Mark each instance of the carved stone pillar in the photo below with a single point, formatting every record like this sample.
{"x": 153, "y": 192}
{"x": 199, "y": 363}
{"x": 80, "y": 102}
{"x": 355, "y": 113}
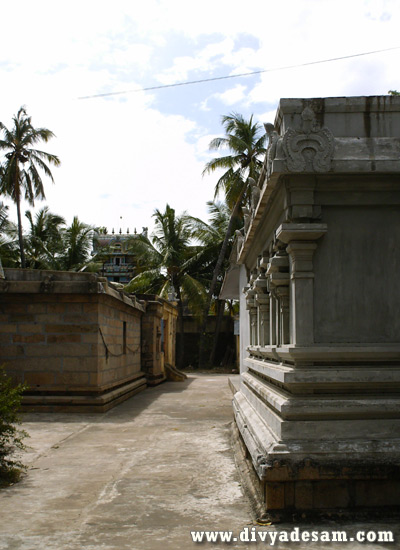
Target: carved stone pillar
{"x": 252, "y": 307}
{"x": 260, "y": 286}
{"x": 263, "y": 319}
{"x": 272, "y": 317}
{"x": 253, "y": 326}
{"x": 278, "y": 271}
{"x": 301, "y": 239}
{"x": 284, "y": 314}
{"x": 302, "y": 287}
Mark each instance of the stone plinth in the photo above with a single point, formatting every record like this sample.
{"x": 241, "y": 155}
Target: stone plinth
{"x": 319, "y": 400}
{"x": 73, "y": 339}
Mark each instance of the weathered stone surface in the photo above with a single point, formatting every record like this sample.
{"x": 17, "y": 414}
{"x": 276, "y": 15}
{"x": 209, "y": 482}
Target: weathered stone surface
{"x": 93, "y": 340}
{"x": 323, "y": 383}
{"x": 68, "y": 337}
{"x": 158, "y": 338}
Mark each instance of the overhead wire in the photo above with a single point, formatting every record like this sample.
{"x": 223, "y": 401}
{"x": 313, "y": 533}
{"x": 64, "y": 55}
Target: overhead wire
{"x": 239, "y": 75}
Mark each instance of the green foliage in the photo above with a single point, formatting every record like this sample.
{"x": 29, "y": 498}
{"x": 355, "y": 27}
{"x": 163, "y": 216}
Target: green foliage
{"x": 20, "y": 174}
{"x": 8, "y": 239}
{"x": 211, "y": 237}
{"x": 245, "y": 142}
{"x": 43, "y": 242}
{"x": 77, "y": 242}
{"x": 11, "y": 436}
{"x": 49, "y": 244}
{"x": 393, "y": 92}
{"x": 169, "y": 260}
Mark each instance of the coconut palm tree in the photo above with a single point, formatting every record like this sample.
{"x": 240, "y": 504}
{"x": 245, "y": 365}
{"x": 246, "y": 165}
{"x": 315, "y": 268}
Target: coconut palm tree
{"x": 21, "y": 173}
{"x": 77, "y": 244}
{"x": 246, "y": 147}
{"x": 43, "y": 242}
{"x": 170, "y": 263}
{"x": 245, "y": 142}
{"x": 218, "y": 236}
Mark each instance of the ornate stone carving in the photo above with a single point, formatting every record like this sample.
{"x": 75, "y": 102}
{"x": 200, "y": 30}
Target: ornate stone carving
{"x": 239, "y": 239}
{"x": 247, "y": 219}
{"x": 309, "y": 149}
{"x": 47, "y": 285}
{"x": 93, "y": 285}
{"x": 255, "y": 195}
{"x": 260, "y": 284}
{"x": 273, "y": 138}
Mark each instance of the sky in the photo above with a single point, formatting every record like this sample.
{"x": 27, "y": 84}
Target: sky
{"x": 125, "y": 155}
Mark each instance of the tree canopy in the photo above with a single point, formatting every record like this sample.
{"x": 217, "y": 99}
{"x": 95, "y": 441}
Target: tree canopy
{"x": 244, "y": 141}
{"x": 21, "y": 170}
{"x": 169, "y": 263}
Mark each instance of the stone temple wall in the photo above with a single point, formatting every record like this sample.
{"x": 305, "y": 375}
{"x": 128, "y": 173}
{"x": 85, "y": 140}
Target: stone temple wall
{"x": 319, "y": 401}
{"x": 74, "y": 340}
{"x": 158, "y": 337}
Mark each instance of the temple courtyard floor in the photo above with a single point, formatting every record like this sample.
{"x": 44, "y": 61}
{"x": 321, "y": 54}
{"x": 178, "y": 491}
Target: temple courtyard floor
{"x": 145, "y": 475}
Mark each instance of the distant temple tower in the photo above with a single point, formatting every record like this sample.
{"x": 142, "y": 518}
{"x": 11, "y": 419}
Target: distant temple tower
{"x": 118, "y": 263}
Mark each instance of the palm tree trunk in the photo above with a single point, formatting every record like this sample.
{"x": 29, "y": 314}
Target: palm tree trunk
{"x": 216, "y": 273}
{"x": 20, "y": 237}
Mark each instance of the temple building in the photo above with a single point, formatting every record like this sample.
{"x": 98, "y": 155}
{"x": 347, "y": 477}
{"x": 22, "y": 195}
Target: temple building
{"x": 118, "y": 265}
{"x": 79, "y": 343}
{"x": 318, "y": 408}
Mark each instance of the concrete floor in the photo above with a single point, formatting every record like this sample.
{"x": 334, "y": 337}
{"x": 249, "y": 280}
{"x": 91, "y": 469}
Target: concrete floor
{"x": 141, "y": 476}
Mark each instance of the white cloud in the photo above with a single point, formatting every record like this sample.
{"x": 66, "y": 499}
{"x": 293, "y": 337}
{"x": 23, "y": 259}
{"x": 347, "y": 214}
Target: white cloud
{"x": 233, "y": 95}
{"x": 267, "y": 117}
{"x": 204, "y": 105}
{"x": 123, "y": 157}
{"x": 206, "y": 60}
{"x": 125, "y": 57}
{"x": 131, "y": 155}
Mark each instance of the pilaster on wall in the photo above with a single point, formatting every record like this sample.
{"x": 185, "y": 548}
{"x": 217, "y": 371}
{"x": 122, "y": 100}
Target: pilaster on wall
{"x": 301, "y": 240}
{"x": 263, "y": 308}
{"x": 278, "y": 281}
{"x": 282, "y": 293}
{"x": 244, "y": 322}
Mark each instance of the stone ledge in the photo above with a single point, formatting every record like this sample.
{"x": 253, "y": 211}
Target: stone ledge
{"x": 265, "y": 446}
{"x": 318, "y": 432}
{"x": 83, "y": 403}
{"x": 32, "y": 281}
{"x": 319, "y": 407}
{"x": 155, "y": 379}
{"x": 234, "y": 383}
{"x": 329, "y": 352}
{"x": 322, "y": 377}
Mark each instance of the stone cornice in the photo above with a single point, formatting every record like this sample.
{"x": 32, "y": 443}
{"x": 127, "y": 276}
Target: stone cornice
{"x": 35, "y": 281}
{"x": 327, "y": 136}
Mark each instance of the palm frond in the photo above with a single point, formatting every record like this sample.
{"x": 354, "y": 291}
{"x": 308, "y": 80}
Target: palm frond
{"x": 245, "y": 145}
{"x": 194, "y": 292}
{"x": 150, "y": 281}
